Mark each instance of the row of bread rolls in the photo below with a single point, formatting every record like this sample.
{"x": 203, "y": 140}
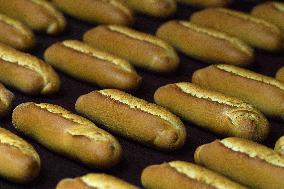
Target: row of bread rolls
{"x": 82, "y": 140}
{"x": 17, "y": 16}
{"x": 115, "y": 12}
{"x": 173, "y": 137}
{"x": 150, "y": 124}
{"x": 248, "y": 163}
{"x": 144, "y": 50}
{"x": 121, "y": 11}
{"x": 231, "y": 163}
{"x": 261, "y": 101}
{"x": 84, "y": 148}
{"x": 147, "y": 51}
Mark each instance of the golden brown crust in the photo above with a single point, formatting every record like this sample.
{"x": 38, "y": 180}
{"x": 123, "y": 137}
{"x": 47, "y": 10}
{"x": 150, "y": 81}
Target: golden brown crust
{"x": 88, "y": 64}
{"x": 27, "y": 73}
{"x": 37, "y": 14}
{"x": 270, "y": 11}
{"x": 97, "y": 11}
{"x": 94, "y": 180}
{"x": 80, "y": 139}
{"x": 181, "y": 175}
{"x": 279, "y": 145}
{"x": 205, "y": 44}
{"x": 249, "y": 86}
{"x": 15, "y": 34}
{"x": 133, "y": 118}
{"x": 244, "y": 161}
{"x": 206, "y": 3}
{"x": 141, "y": 49}
{"x": 280, "y": 74}
{"x": 6, "y": 99}
{"x": 254, "y": 31}
{"x": 19, "y": 162}
{"x": 213, "y": 111}
{"x": 158, "y": 8}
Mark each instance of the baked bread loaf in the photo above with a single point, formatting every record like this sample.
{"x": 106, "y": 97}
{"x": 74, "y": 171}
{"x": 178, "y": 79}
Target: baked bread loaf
{"x": 280, "y": 74}
{"x": 94, "y": 180}
{"x": 184, "y": 175}
{"x": 80, "y": 139}
{"x": 279, "y": 145}
{"x": 263, "y": 92}
{"x": 19, "y": 162}
{"x": 133, "y": 118}
{"x": 97, "y": 11}
{"x": 88, "y": 64}
{"x": 15, "y": 34}
{"x": 157, "y": 8}
{"x": 39, "y": 15}
{"x": 244, "y": 161}
{"x": 206, "y": 3}
{"x": 6, "y": 99}
{"x": 205, "y": 44}
{"x": 26, "y": 73}
{"x": 256, "y": 32}
{"x": 224, "y": 115}
{"x": 270, "y": 11}
{"x": 141, "y": 49}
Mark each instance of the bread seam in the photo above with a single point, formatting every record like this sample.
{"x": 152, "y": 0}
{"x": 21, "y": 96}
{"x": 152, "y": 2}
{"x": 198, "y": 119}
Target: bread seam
{"x": 86, "y": 179}
{"x": 85, "y": 49}
{"x": 271, "y": 158}
{"x": 14, "y": 23}
{"x": 78, "y": 130}
{"x": 219, "y": 35}
{"x": 250, "y": 18}
{"x": 140, "y": 36}
{"x": 250, "y": 75}
{"x": 196, "y": 173}
{"x": 117, "y": 4}
{"x": 222, "y": 99}
{"x": 142, "y": 105}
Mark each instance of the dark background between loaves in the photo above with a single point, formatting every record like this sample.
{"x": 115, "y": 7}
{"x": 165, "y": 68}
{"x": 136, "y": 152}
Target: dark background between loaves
{"x": 135, "y": 156}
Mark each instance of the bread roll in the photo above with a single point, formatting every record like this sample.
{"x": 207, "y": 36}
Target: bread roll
{"x": 263, "y": 92}
{"x": 26, "y": 73}
{"x": 184, "y": 175}
{"x": 244, "y": 161}
{"x": 256, "y": 32}
{"x": 19, "y": 162}
{"x": 88, "y": 64}
{"x": 205, "y": 44}
{"x": 213, "y": 111}
{"x": 80, "y": 139}
{"x": 133, "y": 118}
{"x": 140, "y": 49}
